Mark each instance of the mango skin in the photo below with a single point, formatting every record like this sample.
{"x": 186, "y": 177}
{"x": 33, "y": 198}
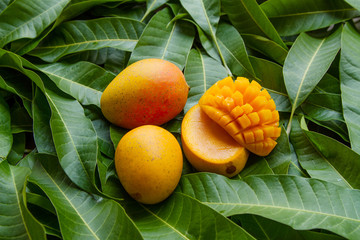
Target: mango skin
{"x": 147, "y": 92}
{"x": 149, "y": 162}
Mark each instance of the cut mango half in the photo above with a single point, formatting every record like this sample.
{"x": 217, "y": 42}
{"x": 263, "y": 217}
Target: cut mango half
{"x": 208, "y": 147}
{"x": 246, "y": 111}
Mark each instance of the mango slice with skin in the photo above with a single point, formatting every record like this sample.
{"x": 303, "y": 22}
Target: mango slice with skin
{"x": 208, "y": 147}
{"x": 246, "y": 111}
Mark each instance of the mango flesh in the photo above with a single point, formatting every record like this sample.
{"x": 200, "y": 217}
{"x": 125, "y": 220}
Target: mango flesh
{"x": 148, "y": 162}
{"x": 150, "y": 91}
{"x": 246, "y": 111}
{"x": 208, "y": 147}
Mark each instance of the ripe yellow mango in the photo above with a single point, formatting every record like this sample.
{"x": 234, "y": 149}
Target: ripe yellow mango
{"x": 150, "y": 91}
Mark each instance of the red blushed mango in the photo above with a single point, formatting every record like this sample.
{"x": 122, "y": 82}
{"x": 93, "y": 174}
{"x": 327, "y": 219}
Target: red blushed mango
{"x": 150, "y": 91}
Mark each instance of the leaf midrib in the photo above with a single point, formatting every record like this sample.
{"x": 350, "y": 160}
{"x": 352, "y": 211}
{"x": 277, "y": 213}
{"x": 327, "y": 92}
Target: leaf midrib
{"x": 312, "y": 12}
{"x": 283, "y": 208}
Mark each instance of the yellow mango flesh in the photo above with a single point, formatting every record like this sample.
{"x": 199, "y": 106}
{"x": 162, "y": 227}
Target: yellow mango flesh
{"x": 148, "y": 162}
{"x": 208, "y": 147}
{"x": 150, "y": 91}
{"x": 245, "y": 111}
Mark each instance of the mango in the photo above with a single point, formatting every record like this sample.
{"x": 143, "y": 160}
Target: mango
{"x": 208, "y": 147}
{"x": 147, "y": 92}
{"x": 149, "y": 162}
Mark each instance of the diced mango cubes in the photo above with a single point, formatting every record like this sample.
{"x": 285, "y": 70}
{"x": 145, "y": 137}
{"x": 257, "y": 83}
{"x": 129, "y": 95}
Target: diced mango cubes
{"x": 246, "y": 111}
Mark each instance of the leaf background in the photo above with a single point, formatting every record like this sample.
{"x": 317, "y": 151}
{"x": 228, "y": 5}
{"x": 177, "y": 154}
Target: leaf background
{"x": 57, "y": 174}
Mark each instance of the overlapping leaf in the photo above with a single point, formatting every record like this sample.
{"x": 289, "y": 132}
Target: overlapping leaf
{"x": 81, "y": 35}
{"x": 83, "y": 81}
{"x": 24, "y": 19}
{"x": 81, "y": 215}
{"x": 16, "y": 221}
{"x": 298, "y": 202}
{"x": 160, "y": 39}
{"x": 6, "y": 138}
{"x": 350, "y": 83}
{"x": 201, "y": 73}
{"x": 287, "y": 15}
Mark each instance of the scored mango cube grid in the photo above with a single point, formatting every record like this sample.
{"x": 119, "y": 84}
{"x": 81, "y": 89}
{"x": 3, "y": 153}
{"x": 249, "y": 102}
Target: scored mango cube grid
{"x": 246, "y": 111}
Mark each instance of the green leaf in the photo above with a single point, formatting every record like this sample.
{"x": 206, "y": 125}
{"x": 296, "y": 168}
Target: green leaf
{"x": 256, "y": 166}
{"x": 6, "y": 137}
{"x": 325, "y": 158}
{"x": 82, "y": 80}
{"x": 233, "y": 49}
{"x": 307, "y": 62}
{"x": 81, "y": 215}
{"x": 24, "y": 19}
{"x": 17, "y": 149}
{"x": 4, "y": 4}
{"x": 9, "y": 81}
{"x": 248, "y": 18}
{"x": 16, "y": 220}
{"x": 286, "y": 15}
{"x": 266, "y": 47}
{"x": 350, "y": 83}
{"x": 41, "y": 126}
{"x": 164, "y": 40}
{"x": 151, "y": 5}
{"x": 295, "y": 201}
{"x": 354, "y": 3}
{"x": 120, "y": 33}
{"x": 116, "y": 133}
{"x": 182, "y": 217}
{"x": 74, "y": 138}
{"x": 201, "y": 72}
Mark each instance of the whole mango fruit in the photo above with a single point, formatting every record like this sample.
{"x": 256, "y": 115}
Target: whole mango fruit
{"x": 149, "y": 162}
{"x": 147, "y": 92}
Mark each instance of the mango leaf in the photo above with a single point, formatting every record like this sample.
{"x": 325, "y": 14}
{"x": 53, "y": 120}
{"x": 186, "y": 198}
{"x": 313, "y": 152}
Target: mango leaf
{"x": 354, "y": 3}
{"x": 16, "y": 220}
{"x": 263, "y": 228}
{"x": 6, "y": 137}
{"x": 350, "y": 83}
{"x": 83, "y": 80}
{"x": 151, "y": 5}
{"x": 120, "y": 33}
{"x": 271, "y": 77}
{"x": 255, "y": 166}
{"x": 182, "y": 217}
{"x": 41, "y": 127}
{"x": 81, "y": 215}
{"x": 266, "y": 47}
{"x": 4, "y": 4}
{"x": 160, "y": 39}
{"x": 9, "y": 81}
{"x": 286, "y": 15}
{"x": 307, "y": 62}
{"x": 247, "y": 17}
{"x": 74, "y": 138}
{"x": 325, "y": 158}
{"x": 301, "y": 203}
{"x": 201, "y": 72}
{"x": 233, "y": 50}
{"x": 18, "y": 148}
{"x": 23, "y": 19}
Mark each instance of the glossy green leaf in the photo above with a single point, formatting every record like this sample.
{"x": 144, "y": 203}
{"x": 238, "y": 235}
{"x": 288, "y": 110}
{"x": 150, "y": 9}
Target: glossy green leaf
{"x": 120, "y": 33}
{"x": 24, "y": 19}
{"x": 350, "y": 83}
{"x": 41, "y": 128}
{"x": 6, "y": 137}
{"x": 81, "y": 215}
{"x": 354, "y": 3}
{"x": 4, "y": 4}
{"x": 171, "y": 42}
{"x": 295, "y": 201}
{"x": 255, "y": 166}
{"x": 16, "y": 221}
{"x": 233, "y": 49}
{"x": 21, "y": 121}
{"x": 201, "y": 72}
{"x": 306, "y": 64}
{"x": 152, "y": 5}
{"x": 248, "y": 18}
{"x": 266, "y": 47}
{"x": 18, "y": 148}
{"x": 324, "y": 158}
{"x": 171, "y": 219}
{"x": 291, "y": 17}
{"x": 74, "y": 138}
{"x": 9, "y": 81}
{"x": 83, "y": 80}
